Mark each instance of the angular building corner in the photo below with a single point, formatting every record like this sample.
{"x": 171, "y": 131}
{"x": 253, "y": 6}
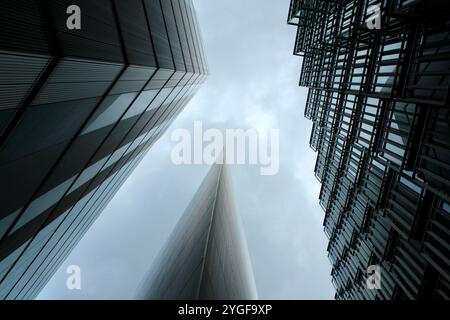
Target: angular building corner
{"x": 379, "y": 100}
{"x": 79, "y": 108}
{"x": 206, "y": 256}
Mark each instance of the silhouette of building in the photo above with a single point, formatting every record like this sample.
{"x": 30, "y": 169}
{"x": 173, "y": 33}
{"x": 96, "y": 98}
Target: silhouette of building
{"x": 378, "y": 74}
{"x": 79, "y": 108}
{"x": 206, "y": 256}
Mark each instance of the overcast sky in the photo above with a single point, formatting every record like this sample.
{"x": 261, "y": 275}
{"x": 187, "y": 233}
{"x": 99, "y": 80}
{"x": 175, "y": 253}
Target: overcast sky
{"x": 253, "y": 83}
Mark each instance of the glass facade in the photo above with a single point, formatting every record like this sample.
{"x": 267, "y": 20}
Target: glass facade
{"x": 78, "y": 111}
{"x": 379, "y": 102}
{"x": 206, "y": 256}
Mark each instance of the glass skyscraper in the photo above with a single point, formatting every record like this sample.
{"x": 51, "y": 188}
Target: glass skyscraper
{"x": 378, "y": 73}
{"x": 206, "y": 256}
{"x": 79, "y": 108}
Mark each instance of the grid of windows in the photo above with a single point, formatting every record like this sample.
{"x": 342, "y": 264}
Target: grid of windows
{"x": 78, "y": 111}
{"x": 379, "y": 102}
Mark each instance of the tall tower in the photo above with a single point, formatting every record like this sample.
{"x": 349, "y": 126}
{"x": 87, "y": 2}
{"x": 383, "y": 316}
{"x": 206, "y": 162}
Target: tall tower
{"x": 206, "y": 256}
{"x": 86, "y": 88}
{"x": 378, "y": 73}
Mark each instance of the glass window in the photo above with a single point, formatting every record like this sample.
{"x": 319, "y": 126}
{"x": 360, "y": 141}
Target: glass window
{"x": 159, "y": 34}
{"x": 37, "y": 142}
{"x": 141, "y": 103}
{"x": 135, "y": 32}
{"x": 42, "y": 203}
{"x": 109, "y": 112}
{"x": 5, "y": 115}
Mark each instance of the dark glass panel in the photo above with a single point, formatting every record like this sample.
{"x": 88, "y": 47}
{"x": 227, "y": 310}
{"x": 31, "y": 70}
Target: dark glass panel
{"x": 159, "y": 34}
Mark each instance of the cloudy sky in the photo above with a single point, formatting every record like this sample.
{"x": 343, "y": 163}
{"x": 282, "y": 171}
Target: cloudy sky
{"x": 252, "y": 84}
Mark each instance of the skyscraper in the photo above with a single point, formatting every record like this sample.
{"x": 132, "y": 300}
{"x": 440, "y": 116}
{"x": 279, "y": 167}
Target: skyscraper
{"x": 206, "y": 256}
{"x": 378, "y": 73}
{"x": 86, "y": 88}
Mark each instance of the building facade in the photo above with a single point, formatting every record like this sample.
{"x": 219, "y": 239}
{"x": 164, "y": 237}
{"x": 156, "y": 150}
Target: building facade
{"x": 206, "y": 256}
{"x": 378, "y": 73}
{"x": 79, "y": 108}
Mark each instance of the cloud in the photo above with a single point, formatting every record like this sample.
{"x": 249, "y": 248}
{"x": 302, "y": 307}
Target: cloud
{"x": 253, "y": 83}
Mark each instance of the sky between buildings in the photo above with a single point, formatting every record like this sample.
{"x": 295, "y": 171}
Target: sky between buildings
{"x": 253, "y": 83}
